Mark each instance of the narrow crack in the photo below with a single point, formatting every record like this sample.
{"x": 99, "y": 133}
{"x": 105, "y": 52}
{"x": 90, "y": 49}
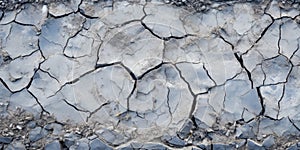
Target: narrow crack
{"x": 78, "y": 109}
{"x": 6, "y": 86}
{"x": 194, "y": 103}
{"x": 149, "y": 70}
{"x": 165, "y": 38}
{"x": 241, "y": 62}
{"x": 96, "y": 110}
{"x": 291, "y": 121}
{"x": 279, "y": 101}
{"x": 261, "y": 36}
{"x": 38, "y": 102}
{"x": 168, "y": 103}
{"x": 207, "y": 73}
{"x": 261, "y": 101}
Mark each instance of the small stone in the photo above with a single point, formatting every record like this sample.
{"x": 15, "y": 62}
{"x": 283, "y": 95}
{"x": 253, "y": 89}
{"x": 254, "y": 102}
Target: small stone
{"x": 19, "y": 127}
{"x": 68, "y": 142}
{"x": 112, "y": 137}
{"x": 155, "y": 146}
{"x": 268, "y": 142}
{"x": 82, "y": 144}
{"x": 252, "y": 145}
{"x": 31, "y": 124}
{"x": 97, "y": 144}
{"x": 186, "y": 129}
{"x": 16, "y": 146}
{"x": 173, "y": 141}
{"x": 37, "y": 134}
{"x": 55, "y": 145}
{"x": 6, "y": 140}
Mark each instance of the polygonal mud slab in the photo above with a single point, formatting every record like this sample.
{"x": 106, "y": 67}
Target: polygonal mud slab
{"x": 150, "y": 75}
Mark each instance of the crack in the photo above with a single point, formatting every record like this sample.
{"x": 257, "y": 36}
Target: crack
{"x": 96, "y": 110}
{"x": 50, "y": 41}
{"x": 6, "y": 86}
{"x": 169, "y": 108}
{"x": 295, "y": 51}
{"x": 165, "y": 38}
{"x": 149, "y": 70}
{"x": 106, "y": 65}
{"x": 72, "y": 36}
{"x": 71, "y": 82}
{"x": 131, "y": 93}
{"x": 61, "y": 16}
{"x": 2, "y": 14}
{"x": 37, "y": 100}
{"x": 27, "y": 55}
{"x": 31, "y": 78}
{"x": 24, "y": 24}
{"x": 85, "y": 15}
{"x": 78, "y": 109}
{"x": 241, "y": 62}
{"x": 193, "y": 108}
{"x": 261, "y": 101}
{"x": 261, "y": 36}
{"x": 291, "y": 121}
{"x": 134, "y": 86}
{"x": 206, "y": 70}
{"x": 129, "y": 71}
{"x": 278, "y": 103}
{"x": 231, "y": 45}
{"x": 49, "y": 74}
{"x": 279, "y": 38}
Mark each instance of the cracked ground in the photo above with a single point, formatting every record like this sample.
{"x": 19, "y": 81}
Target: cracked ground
{"x": 136, "y": 74}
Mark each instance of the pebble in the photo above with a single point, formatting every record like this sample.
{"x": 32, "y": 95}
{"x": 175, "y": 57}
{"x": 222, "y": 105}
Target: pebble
{"x": 36, "y": 134}
{"x": 6, "y": 140}
{"x": 54, "y": 145}
{"x": 97, "y": 144}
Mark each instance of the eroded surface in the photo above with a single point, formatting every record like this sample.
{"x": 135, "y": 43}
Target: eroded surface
{"x": 150, "y": 75}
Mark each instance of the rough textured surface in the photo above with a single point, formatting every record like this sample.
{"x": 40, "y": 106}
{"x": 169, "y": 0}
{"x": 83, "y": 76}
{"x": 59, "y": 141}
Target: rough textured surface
{"x": 159, "y": 74}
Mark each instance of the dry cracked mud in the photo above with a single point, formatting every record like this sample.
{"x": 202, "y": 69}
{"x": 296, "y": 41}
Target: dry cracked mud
{"x": 149, "y": 74}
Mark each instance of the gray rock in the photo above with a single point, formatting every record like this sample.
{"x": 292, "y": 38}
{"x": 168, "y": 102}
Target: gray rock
{"x": 218, "y": 146}
{"x": 5, "y": 140}
{"x": 82, "y": 144}
{"x": 252, "y": 145}
{"x": 154, "y": 146}
{"x": 68, "y": 142}
{"x": 111, "y": 137}
{"x": 282, "y": 127}
{"x": 97, "y": 144}
{"x": 185, "y": 131}
{"x": 295, "y": 146}
{"x": 269, "y": 141}
{"x": 16, "y": 146}
{"x": 37, "y": 134}
{"x": 54, "y": 145}
{"x": 173, "y": 141}
{"x": 150, "y": 146}
{"x": 31, "y": 124}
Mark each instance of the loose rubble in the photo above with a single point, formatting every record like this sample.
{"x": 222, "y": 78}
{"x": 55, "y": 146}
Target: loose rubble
{"x": 140, "y": 74}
